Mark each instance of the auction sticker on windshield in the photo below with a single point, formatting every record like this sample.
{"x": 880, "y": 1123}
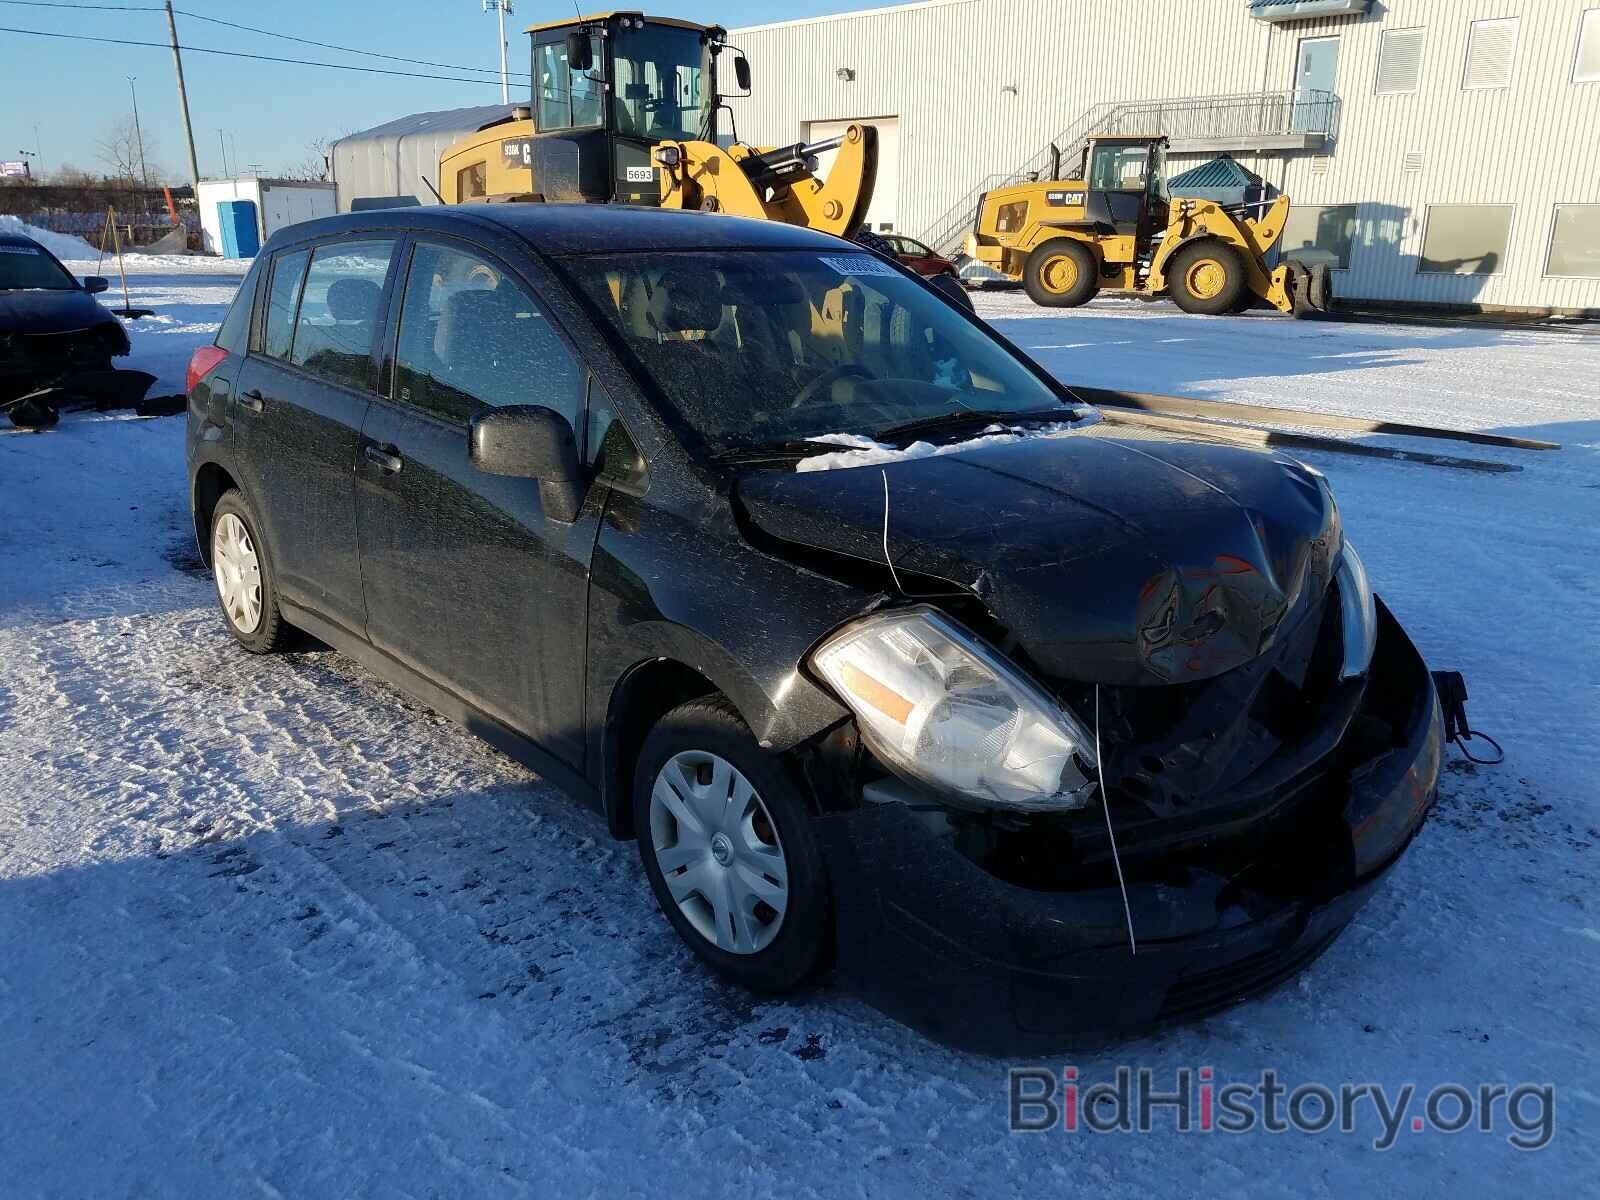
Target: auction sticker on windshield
{"x": 859, "y": 264}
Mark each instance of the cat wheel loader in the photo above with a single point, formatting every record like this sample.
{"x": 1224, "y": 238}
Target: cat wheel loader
{"x": 625, "y": 111}
{"x": 1112, "y": 226}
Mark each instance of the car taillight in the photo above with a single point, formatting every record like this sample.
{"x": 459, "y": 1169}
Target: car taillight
{"x": 203, "y": 362}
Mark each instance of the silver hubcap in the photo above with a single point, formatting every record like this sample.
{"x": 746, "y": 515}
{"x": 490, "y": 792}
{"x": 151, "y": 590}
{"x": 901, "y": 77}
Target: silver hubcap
{"x": 238, "y": 572}
{"x": 719, "y": 852}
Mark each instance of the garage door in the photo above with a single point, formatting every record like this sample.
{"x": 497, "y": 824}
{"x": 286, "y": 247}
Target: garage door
{"x": 886, "y": 192}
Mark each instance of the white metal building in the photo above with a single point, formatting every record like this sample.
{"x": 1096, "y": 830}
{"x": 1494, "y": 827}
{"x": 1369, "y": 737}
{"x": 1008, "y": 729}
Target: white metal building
{"x": 1447, "y": 151}
{"x": 278, "y": 202}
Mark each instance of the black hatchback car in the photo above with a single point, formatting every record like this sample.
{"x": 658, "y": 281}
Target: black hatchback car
{"x": 51, "y": 328}
{"x": 885, "y": 652}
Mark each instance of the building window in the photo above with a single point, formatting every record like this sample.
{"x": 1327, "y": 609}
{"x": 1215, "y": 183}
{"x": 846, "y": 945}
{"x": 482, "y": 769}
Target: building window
{"x": 1491, "y": 53}
{"x": 1399, "y": 61}
{"x": 1466, "y": 239}
{"x": 1575, "y": 242}
{"x": 1325, "y": 227}
{"x": 1587, "y": 68}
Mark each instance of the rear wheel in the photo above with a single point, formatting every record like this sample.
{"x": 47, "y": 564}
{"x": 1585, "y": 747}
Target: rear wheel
{"x": 243, "y": 573}
{"x": 726, "y": 841}
{"x": 1061, "y": 274}
{"x": 1207, "y": 277}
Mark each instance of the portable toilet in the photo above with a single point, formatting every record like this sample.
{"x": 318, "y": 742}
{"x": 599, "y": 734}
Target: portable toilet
{"x": 236, "y": 220}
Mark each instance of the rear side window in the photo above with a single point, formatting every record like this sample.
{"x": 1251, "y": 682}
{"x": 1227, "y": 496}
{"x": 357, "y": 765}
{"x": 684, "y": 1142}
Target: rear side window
{"x": 283, "y": 298}
{"x": 471, "y": 336}
{"x": 339, "y": 310}
{"x": 235, "y": 332}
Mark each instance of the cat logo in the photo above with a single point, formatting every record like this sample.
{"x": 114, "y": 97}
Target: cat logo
{"x": 1060, "y": 199}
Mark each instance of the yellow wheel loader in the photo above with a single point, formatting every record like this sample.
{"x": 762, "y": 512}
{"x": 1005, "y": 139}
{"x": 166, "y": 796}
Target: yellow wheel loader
{"x": 625, "y": 111}
{"x": 1111, "y": 226}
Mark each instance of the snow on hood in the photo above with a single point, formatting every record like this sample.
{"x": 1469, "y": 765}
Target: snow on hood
{"x": 862, "y": 451}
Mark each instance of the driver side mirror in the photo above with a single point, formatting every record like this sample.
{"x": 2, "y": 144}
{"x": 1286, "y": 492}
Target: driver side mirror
{"x": 741, "y": 73}
{"x": 579, "y": 57}
{"x": 95, "y": 283}
{"x": 530, "y": 441}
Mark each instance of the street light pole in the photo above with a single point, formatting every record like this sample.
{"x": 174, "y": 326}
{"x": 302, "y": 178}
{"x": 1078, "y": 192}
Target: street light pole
{"x": 501, "y": 8}
{"x": 183, "y": 101}
{"x": 138, "y": 132}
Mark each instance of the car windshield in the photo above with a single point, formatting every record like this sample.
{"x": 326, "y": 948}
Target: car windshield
{"x": 658, "y": 91}
{"x": 25, "y": 267}
{"x": 763, "y": 348}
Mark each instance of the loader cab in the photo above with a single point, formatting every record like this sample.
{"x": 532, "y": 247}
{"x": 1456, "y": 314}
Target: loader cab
{"x": 607, "y": 88}
{"x": 1125, "y": 184}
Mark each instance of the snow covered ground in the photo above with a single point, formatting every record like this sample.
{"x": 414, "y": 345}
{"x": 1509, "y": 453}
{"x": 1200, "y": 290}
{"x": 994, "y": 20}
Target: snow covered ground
{"x": 267, "y": 927}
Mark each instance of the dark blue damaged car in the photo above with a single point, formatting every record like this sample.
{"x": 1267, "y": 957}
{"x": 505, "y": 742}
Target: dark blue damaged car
{"x": 894, "y": 661}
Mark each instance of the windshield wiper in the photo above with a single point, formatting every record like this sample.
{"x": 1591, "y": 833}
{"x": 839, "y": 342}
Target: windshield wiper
{"x": 963, "y": 418}
{"x": 772, "y": 451}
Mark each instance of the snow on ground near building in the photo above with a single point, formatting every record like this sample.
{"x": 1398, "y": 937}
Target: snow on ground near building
{"x": 267, "y": 926}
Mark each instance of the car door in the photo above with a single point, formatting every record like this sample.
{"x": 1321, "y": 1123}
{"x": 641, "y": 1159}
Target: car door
{"x": 300, "y": 399}
{"x": 466, "y": 579}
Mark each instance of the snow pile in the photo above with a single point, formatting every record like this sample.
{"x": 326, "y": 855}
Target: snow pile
{"x": 62, "y": 245}
{"x": 864, "y": 452}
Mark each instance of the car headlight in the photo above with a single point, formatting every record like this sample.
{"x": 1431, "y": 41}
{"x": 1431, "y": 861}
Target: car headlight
{"x": 940, "y": 708}
{"x": 1358, "y": 612}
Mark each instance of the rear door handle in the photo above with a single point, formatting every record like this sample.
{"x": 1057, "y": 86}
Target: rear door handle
{"x": 386, "y": 460}
{"x": 253, "y": 400}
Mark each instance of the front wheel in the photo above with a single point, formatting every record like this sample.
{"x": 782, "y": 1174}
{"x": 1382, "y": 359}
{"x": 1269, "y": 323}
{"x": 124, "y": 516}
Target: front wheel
{"x": 726, "y": 841}
{"x": 1206, "y": 278}
{"x": 1063, "y": 273}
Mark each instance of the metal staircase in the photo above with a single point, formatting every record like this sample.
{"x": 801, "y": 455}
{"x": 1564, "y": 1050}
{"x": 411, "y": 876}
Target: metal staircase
{"x": 1249, "y": 122}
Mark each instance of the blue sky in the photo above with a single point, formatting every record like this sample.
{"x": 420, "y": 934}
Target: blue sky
{"x": 270, "y": 111}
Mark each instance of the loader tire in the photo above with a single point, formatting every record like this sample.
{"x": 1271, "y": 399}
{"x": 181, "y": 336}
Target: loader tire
{"x": 1206, "y": 278}
{"x": 1062, "y": 273}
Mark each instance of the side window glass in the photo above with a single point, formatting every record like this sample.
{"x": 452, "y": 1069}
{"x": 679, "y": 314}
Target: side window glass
{"x": 283, "y": 298}
{"x": 235, "y": 331}
{"x": 339, "y": 312}
{"x": 471, "y": 336}
{"x": 471, "y": 182}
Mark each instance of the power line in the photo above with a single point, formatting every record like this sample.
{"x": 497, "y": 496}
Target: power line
{"x": 289, "y": 37}
{"x": 300, "y": 62}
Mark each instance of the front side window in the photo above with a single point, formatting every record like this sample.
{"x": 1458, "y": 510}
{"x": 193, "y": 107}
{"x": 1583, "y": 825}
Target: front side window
{"x": 659, "y": 90}
{"x": 29, "y": 268}
{"x": 1466, "y": 239}
{"x": 568, "y": 99}
{"x": 1118, "y": 168}
{"x": 471, "y": 337}
{"x": 756, "y": 348}
{"x": 339, "y": 310}
{"x": 283, "y": 298}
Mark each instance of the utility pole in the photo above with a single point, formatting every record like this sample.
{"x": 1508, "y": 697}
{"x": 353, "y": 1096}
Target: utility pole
{"x": 183, "y": 101}
{"x": 502, "y": 7}
{"x": 138, "y": 132}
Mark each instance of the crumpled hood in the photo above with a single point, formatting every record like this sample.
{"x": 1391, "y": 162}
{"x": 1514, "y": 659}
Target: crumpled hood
{"x": 1112, "y": 562}
{"x": 49, "y": 311}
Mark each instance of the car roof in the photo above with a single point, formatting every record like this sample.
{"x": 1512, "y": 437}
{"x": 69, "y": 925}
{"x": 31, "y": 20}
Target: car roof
{"x": 558, "y": 229}
{"x": 18, "y": 239}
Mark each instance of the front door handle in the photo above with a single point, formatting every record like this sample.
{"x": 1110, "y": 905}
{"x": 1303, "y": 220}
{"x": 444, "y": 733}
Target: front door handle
{"x": 253, "y": 400}
{"x": 386, "y": 460}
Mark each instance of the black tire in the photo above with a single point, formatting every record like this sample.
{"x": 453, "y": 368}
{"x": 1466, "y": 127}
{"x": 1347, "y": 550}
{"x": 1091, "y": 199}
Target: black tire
{"x": 1062, "y": 273}
{"x": 1206, "y": 277}
{"x": 271, "y": 632}
{"x": 803, "y": 937}
{"x": 951, "y": 287}
{"x": 34, "y": 414}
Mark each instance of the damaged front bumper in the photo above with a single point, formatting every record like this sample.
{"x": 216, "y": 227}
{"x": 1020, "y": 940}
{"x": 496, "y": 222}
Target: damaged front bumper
{"x": 936, "y": 930}
{"x": 70, "y": 361}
